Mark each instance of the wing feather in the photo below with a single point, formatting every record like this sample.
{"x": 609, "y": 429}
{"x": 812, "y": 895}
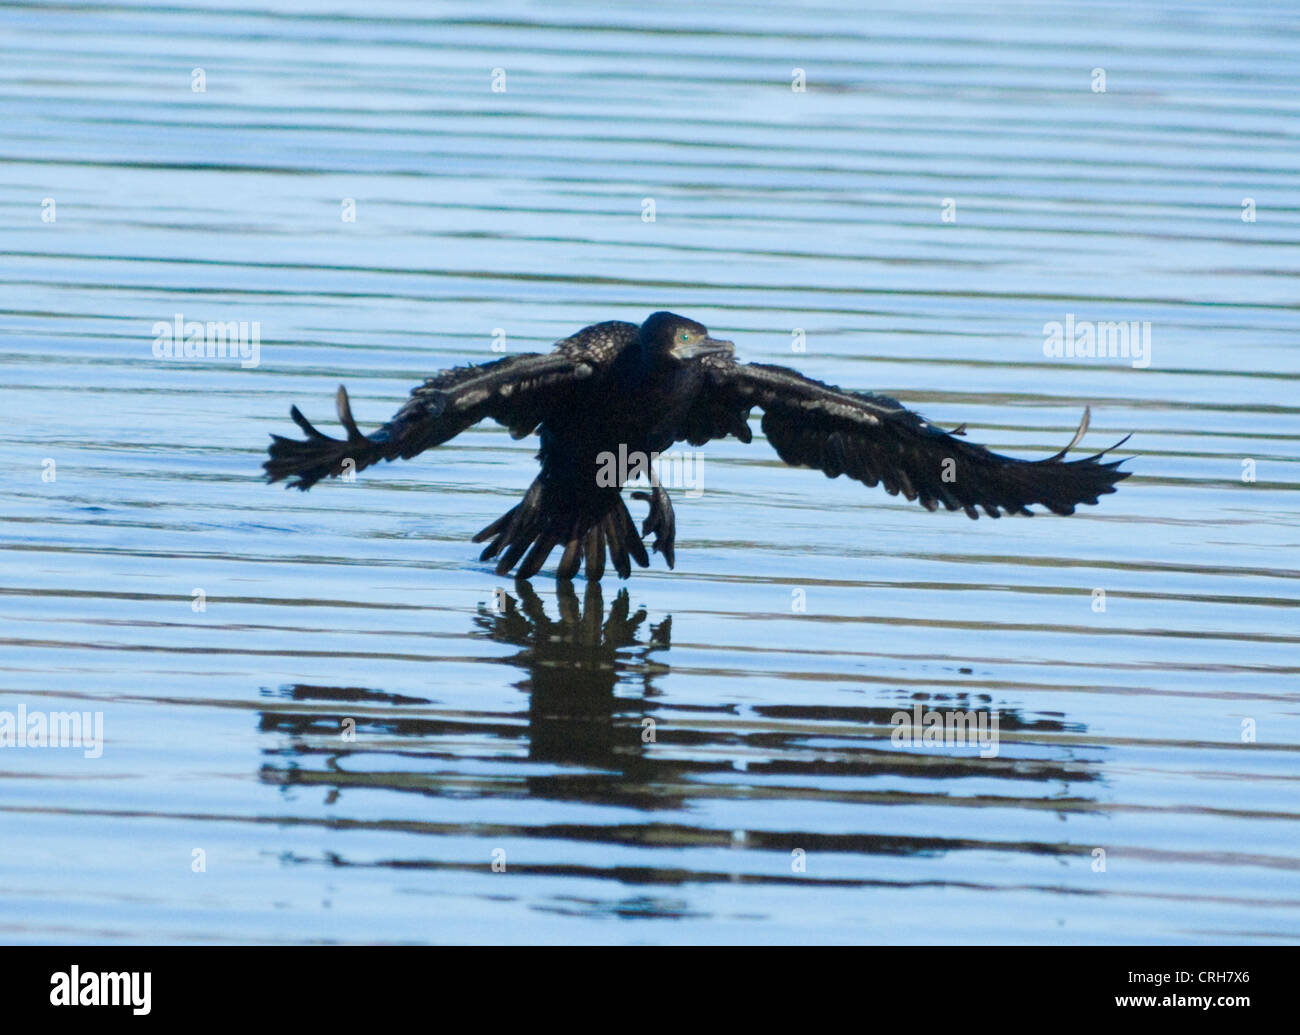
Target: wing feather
{"x": 878, "y": 441}
{"x": 517, "y": 392}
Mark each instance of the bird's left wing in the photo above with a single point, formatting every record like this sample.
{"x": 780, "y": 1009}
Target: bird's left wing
{"x": 877, "y": 440}
{"x": 518, "y": 392}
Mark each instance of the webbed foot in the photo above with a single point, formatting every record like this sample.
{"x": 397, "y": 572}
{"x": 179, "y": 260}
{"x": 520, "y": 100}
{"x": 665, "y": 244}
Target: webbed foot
{"x": 661, "y": 521}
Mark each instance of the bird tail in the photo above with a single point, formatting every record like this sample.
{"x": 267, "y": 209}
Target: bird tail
{"x": 551, "y": 515}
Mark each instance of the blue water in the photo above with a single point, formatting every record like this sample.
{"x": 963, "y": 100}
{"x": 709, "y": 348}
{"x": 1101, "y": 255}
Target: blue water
{"x": 498, "y": 723}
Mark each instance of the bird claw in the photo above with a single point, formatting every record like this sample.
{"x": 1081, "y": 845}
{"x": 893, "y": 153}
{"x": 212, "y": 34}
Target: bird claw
{"x": 661, "y": 521}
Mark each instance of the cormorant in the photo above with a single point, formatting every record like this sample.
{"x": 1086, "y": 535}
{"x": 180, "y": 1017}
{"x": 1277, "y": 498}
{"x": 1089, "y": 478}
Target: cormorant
{"x": 644, "y": 388}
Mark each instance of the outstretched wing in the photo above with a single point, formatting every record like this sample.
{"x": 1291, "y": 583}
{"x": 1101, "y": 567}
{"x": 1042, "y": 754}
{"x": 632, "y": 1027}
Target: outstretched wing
{"x": 518, "y": 392}
{"x": 877, "y": 440}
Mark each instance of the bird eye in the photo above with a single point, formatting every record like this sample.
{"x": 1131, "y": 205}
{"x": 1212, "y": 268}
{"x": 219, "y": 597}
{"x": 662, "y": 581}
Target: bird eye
{"x": 684, "y": 336}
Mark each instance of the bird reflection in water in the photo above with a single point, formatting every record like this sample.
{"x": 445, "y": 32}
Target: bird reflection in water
{"x": 589, "y": 679}
{"x": 599, "y": 731}
{"x": 589, "y": 676}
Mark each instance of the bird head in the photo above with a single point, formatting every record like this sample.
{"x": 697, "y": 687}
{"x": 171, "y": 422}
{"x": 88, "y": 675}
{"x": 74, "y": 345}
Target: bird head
{"x": 667, "y": 336}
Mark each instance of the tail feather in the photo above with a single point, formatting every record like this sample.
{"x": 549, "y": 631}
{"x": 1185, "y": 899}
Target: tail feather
{"x": 491, "y": 533}
{"x": 631, "y": 537}
{"x": 548, "y": 517}
{"x": 617, "y": 548}
{"x": 571, "y": 561}
{"x": 594, "y": 547}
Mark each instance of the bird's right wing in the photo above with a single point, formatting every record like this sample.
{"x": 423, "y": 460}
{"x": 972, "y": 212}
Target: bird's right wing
{"x": 517, "y": 392}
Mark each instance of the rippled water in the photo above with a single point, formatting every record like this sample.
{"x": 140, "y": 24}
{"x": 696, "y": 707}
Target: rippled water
{"x": 505, "y": 723}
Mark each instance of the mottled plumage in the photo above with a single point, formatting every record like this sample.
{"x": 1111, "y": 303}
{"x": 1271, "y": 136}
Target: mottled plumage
{"x": 643, "y": 388}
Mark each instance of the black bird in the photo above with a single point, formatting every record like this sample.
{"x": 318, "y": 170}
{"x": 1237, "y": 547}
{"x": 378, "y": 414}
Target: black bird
{"x": 616, "y": 385}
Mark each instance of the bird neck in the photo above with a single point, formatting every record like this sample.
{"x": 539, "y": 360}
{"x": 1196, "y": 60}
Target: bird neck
{"x": 634, "y": 366}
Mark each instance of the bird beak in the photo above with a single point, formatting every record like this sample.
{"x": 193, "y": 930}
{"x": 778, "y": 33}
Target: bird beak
{"x": 704, "y": 348}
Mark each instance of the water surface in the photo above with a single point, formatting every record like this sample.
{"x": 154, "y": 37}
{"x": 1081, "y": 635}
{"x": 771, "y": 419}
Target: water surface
{"x": 696, "y": 755}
